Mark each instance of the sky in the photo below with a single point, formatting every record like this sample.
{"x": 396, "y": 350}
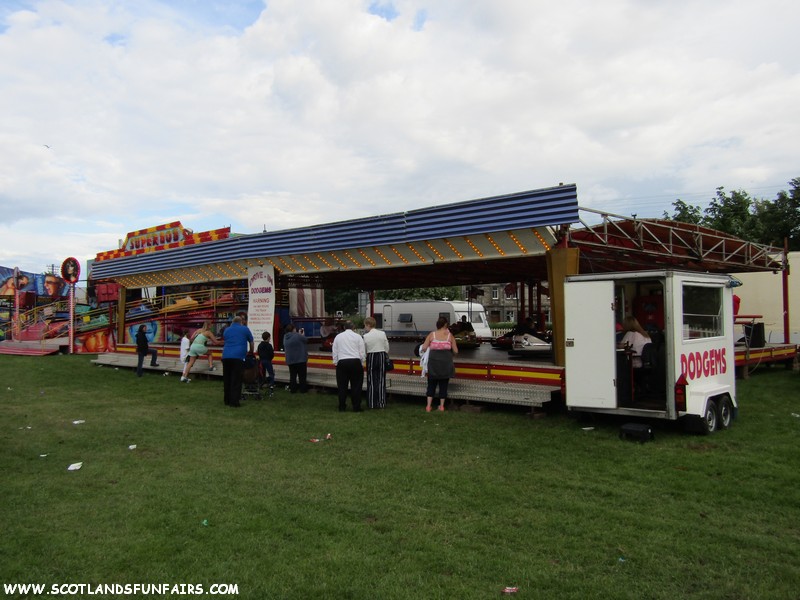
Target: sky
{"x": 269, "y": 115}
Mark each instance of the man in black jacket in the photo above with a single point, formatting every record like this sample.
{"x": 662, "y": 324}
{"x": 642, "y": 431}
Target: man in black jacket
{"x": 143, "y": 349}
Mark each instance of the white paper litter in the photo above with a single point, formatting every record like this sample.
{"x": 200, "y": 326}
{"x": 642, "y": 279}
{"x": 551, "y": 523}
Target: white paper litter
{"x": 588, "y": 428}
{"x": 78, "y": 422}
{"x": 74, "y": 466}
{"x": 132, "y": 447}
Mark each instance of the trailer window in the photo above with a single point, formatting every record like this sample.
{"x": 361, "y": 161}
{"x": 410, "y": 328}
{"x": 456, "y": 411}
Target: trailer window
{"x": 477, "y": 317}
{"x": 405, "y": 318}
{"x": 702, "y": 312}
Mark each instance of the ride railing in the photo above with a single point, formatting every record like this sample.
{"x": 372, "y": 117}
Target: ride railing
{"x": 49, "y": 321}
{"x": 183, "y": 301}
{"x": 97, "y": 318}
{"x": 34, "y": 324}
{"x": 498, "y": 331}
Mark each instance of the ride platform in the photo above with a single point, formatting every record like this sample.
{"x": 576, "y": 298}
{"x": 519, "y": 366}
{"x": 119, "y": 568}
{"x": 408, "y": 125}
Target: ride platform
{"x": 502, "y": 382}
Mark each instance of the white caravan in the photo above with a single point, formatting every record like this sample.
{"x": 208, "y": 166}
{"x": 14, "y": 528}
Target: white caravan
{"x": 415, "y": 318}
{"x": 687, "y": 373}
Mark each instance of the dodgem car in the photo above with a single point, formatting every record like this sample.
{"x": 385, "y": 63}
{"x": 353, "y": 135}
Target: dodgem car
{"x": 530, "y": 345}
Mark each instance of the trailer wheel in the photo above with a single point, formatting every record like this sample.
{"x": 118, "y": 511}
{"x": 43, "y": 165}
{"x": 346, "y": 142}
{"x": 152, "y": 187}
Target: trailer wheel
{"x": 725, "y": 412}
{"x": 710, "y": 419}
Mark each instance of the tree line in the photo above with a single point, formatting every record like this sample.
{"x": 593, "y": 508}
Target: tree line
{"x": 753, "y": 219}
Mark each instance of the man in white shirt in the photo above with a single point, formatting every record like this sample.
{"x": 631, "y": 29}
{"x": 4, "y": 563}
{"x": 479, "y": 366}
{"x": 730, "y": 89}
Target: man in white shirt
{"x": 349, "y": 354}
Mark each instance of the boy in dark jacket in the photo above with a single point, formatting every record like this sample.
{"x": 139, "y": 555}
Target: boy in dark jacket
{"x": 265, "y": 354}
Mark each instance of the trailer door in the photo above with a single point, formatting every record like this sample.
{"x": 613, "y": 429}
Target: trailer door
{"x": 590, "y": 353}
{"x": 388, "y": 319}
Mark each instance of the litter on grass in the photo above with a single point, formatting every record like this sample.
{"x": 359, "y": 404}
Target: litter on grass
{"x": 588, "y": 428}
{"x": 510, "y": 590}
{"x": 74, "y": 466}
{"x": 316, "y": 440}
{"x": 79, "y": 422}
{"x": 132, "y": 447}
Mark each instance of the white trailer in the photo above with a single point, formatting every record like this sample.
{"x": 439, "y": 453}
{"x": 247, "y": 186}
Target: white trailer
{"x": 416, "y": 318}
{"x": 688, "y": 373}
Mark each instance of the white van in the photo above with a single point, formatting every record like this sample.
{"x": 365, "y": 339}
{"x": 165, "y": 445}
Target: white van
{"x": 689, "y": 370}
{"x": 415, "y": 318}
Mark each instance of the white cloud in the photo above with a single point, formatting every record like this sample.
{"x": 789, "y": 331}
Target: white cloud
{"x": 286, "y": 114}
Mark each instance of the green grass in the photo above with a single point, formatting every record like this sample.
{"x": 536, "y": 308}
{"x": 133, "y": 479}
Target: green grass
{"x": 398, "y": 504}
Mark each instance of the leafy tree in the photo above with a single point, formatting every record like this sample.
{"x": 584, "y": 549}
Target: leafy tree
{"x": 731, "y": 214}
{"x": 345, "y": 300}
{"x": 432, "y": 293}
{"x": 685, "y": 213}
{"x": 758, "y": 220}
{"x": 780, "y": 218}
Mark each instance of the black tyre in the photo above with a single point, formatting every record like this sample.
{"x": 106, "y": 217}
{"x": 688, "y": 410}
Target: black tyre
{"x": 710, "y": 420}
{"x": 725, "y": 412}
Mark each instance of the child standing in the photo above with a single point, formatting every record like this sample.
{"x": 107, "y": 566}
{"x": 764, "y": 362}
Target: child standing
{"x": 185, "y": 343}
{"x": 265, "y": 354}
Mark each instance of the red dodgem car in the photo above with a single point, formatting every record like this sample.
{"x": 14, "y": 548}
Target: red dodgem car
{"x": 504, "y": 342}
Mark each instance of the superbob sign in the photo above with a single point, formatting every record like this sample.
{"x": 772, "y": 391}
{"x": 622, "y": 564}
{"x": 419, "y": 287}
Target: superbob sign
{"x": 162, "y": 237}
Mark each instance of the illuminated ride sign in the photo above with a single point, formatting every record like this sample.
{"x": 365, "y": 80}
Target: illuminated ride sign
{"x": 151, "y": 238}
{"x": 162, "y": 237}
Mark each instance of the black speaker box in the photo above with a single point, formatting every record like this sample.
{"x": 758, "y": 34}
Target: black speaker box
{"x": 638, "y": 432}
{"x": 755, "y": 335}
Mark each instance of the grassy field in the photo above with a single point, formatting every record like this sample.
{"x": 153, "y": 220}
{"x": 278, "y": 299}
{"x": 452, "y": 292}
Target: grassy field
{"x": 398, "y": 503}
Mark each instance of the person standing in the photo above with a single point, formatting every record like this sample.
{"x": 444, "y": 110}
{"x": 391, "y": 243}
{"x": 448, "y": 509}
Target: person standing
{"x": 442, "y": 347}
{"x": 295, "y": 345}
{"x": 238, "y": 340}
{"x": 199, "y": 347}
{"x": 265, "y": 354}
{"x": 377, "y": 347}
{"x": 143, "y": 349}
{"x": 349, "y": 353}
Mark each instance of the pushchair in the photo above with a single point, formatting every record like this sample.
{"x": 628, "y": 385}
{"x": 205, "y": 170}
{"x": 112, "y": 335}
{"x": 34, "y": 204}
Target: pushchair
{"x": 251, "y": 378}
